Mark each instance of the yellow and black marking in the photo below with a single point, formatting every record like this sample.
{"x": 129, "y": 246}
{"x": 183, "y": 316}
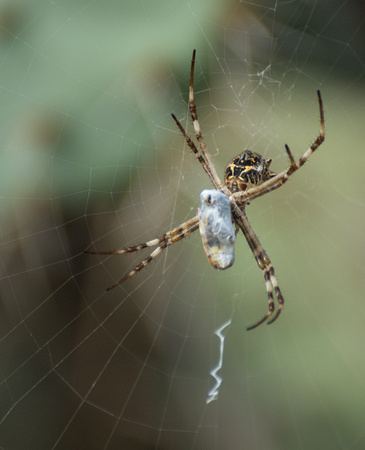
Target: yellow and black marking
{"x": 246, "y": 170}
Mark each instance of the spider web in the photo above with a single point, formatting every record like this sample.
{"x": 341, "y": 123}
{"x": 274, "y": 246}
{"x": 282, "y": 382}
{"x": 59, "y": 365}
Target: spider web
{"x": 91, "y": 159}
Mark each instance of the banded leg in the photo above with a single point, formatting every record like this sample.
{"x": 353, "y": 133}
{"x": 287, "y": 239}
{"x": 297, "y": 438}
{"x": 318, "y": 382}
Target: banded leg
{"x": 274, "y": 283}
{"x": 204, "y": 149}
{"x": 270, "y": 283}
{"x": 264, "y": 263}
{"x": 271, "y": 301}
{"x": 190, "y": 225}
{"x": 195, "y": 150}
{"x": 151, "y": 257}
{"x": 282, "y": 177}
{"x": 319, "y": 139}
{"x": 173, "y": 236}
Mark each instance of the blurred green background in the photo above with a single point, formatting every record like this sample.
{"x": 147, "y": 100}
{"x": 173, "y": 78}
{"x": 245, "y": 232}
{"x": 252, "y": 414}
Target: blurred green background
{"x": 91, "y": 159}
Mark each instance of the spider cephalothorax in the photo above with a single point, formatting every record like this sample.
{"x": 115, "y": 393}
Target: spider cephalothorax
{"x": 246, "y": 170}
{"x": 222, "y": 209}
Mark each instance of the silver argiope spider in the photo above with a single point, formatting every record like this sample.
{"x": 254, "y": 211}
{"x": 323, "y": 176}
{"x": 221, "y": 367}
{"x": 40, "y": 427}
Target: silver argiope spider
{"x": 246, "y": 178}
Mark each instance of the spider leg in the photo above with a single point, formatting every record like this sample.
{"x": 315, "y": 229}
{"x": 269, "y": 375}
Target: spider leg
{"x": 271, "y": 301}
{"x": 270, "y": 282}
{"x": 319, "y": 139}
{"x": 204, "y": 158}
{"x": 194, "y": 222}
{"x": 240, "y": 218}
{"x": 198, "y": 133}
{"x": 164, "y": 244}
{"x": 264, "y": 263}
{"x": 142, "y": 264}
{"x": 173, "y": 236}
{"x": 195, "y": 150}
{"x": 279, "y": 296}
{"x": 245, "y": 197}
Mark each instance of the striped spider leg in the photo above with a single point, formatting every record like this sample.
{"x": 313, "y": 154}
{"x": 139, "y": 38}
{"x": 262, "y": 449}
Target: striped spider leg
{"x": 164, "y": 241}
{"x": 246, "y": 178}
{"x": 277, "y": 180}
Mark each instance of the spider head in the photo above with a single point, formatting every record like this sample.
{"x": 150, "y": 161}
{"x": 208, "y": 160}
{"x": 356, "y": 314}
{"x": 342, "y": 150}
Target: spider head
{"x": 246, "y": 170}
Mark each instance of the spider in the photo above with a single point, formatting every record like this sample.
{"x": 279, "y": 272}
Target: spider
{"x": 246, "y": 178}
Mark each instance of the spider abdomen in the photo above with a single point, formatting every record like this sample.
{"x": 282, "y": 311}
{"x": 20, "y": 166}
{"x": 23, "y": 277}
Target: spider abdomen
{"x": 216, "y": 228}
{"x": 246, "y": 170}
